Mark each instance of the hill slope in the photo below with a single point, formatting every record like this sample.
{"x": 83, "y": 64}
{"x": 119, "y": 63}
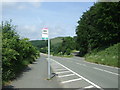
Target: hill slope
{"x": 42, "y": 43}
{"x": 108, "y": 56}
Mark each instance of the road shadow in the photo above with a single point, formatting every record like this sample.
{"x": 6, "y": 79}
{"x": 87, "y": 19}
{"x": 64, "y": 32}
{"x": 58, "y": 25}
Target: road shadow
{"x": 18, "y": 76}
{"x": 9, "y": 87}
{"x": 22, "y": 72}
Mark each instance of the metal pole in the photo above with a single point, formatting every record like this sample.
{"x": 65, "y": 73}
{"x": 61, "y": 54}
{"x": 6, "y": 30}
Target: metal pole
{"x": 48, "y": 57}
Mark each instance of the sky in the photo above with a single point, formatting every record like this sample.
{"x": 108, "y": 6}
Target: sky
{"x": 30, "y": 17}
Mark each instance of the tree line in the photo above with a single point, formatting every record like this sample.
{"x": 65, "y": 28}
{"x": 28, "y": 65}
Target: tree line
{"x": 98, "y": 27}
{"x": 65, "y": 47}
{"x": 58, "y": 46}
{"x": 17, "y": 53}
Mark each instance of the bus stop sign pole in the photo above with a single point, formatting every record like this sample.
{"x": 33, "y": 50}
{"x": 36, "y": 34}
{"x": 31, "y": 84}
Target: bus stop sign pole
{"x": 45, "y": 35}
{"x": 48, "y": 57}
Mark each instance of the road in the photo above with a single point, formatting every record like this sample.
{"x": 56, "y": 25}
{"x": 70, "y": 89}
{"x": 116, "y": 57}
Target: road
{"x": 35, "y": 76}
{"x": 72, "y": 72}
{"x": 75, "y": 72}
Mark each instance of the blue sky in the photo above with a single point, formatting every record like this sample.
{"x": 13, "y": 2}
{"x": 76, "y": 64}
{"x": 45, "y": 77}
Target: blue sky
{"x": 30, "y": 17}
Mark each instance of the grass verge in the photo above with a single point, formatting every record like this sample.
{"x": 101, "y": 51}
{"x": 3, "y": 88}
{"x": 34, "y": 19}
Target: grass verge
{"x": 108, "y": 56}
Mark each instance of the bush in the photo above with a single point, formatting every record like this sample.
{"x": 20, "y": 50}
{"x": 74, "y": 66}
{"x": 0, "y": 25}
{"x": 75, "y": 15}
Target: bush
{"x": 16, "y": 53}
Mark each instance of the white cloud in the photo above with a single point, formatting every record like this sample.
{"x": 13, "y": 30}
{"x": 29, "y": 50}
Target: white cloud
{"x": 21, "y": 0}
{"x": 29, "y": 31}
{"x": 21, "y": 6}
{"x": 29, "y": 28}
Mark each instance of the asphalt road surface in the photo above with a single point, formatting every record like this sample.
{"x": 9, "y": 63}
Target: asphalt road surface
{"x": 35, "y": 76}
{"x": 75, "y": 72}
{"x": 72, "y": 72}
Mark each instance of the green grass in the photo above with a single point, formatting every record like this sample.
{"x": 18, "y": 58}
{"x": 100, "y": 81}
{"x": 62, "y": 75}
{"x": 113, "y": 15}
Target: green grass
{"x": 108, "y": 56}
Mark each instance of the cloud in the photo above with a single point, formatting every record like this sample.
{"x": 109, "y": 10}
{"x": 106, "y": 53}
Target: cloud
{"x": 22, "y": 5}
{"x": 21, "y": 0}
{"x": 28, "y": 28}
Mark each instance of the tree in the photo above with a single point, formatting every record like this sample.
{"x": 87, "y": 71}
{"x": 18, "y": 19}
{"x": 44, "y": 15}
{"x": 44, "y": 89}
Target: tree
{"x": 16, "y": 53}
{"x": 98, "y": 27}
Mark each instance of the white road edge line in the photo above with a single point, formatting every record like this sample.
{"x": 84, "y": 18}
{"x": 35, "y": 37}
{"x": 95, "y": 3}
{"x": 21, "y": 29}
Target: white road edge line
{"x": 66, "y": 75}
{"x": 62, "y": 72}
{"x": 99, "y": 64}
{"x": 71, "y": 80}
{"x": 89, "y": 86}
{"x": 105, "y": 71}
{"x": 102, "y": 65}
{"x": 78, "y": 75}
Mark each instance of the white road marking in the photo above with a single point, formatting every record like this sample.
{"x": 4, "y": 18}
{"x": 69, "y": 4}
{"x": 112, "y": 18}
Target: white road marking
{"x": 71, "y": 80}
{"x": 102, "y": 65}
{"x": 105, "y": 71}
{"x": 78, "y": 75}
{"x": 62, "y": 72}
{"x": 89, "y": 86}
{"x": 98, "y": 64}
{"x": 100, "y": 69}
{"x": 66, "y": 75}
{"x": 81, "y": 64}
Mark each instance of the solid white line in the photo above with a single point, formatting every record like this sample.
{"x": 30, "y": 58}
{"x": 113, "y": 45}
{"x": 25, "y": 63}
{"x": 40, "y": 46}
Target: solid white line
{"x": 98, "y": 64}
{"x": 71, "y": 80}
{"x": 62, "y": 72}
{"x": 89, "y": 86}
{"x": 102, "y": 65}
{"x": 105, "y": 71}
{"x": 66, "y": 75}
{"x": 79, "y": 75}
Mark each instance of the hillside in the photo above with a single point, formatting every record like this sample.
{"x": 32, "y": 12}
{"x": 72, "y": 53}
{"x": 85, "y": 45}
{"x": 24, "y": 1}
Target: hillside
{"x": 56, "y": 40}
{"x": 43, "y": 43}
{"x": 108, "y": 56}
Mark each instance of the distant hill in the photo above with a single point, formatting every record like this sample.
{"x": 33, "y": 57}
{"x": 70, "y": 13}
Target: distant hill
{"x": 56, "y": 40}
{"x": 43, "y": 43}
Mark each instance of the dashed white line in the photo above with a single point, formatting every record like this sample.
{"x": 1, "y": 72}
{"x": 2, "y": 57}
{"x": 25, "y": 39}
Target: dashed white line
{"x": 89, "y": 86}
{"x": 78, "y": 75}
{"x": 105, "y": 71}
{"x": 66, "y": 75}
{"x": 62, "y": 72}
{"x": 71, "y": 80}
{"x": 81, "y": 64}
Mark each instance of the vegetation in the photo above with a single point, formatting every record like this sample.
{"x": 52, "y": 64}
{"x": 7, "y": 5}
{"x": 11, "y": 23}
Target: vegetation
{"x": 108, "y": 56}
{"x": 98, "y": 27}
{"x": 60, "y": 46}
{"x": 64, "y": 48}
{"x": 41, "y": 45}
{"x": 16, "y": 53}
{"x": 97, "y": 35}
